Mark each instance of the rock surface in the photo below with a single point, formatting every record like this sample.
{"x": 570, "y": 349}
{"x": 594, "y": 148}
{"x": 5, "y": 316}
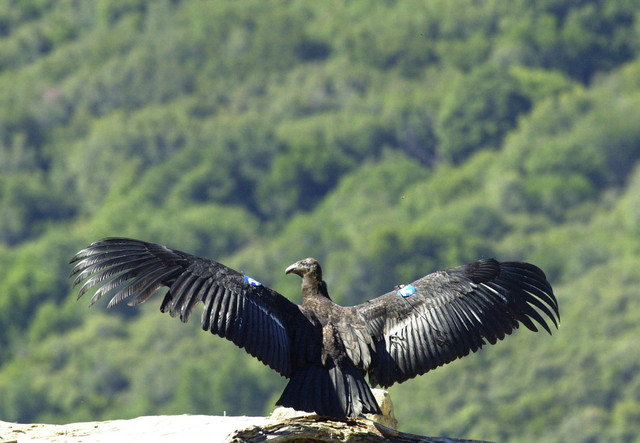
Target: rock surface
{"x": 197, "y": 428}
{"x": 160, "y": 428}
{"x": 284, "y": 425}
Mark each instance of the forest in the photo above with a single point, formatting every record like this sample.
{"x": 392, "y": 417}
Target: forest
{"x": 388, "y": 139}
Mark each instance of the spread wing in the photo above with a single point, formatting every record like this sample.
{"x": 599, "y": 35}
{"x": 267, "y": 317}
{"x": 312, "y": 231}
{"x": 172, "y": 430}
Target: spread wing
{"x": 447, "y": 314}
{"x": 236, "y": 307}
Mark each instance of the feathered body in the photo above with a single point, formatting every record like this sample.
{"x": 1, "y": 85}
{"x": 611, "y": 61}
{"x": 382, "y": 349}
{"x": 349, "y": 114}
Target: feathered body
{"x": 323, "y": 348}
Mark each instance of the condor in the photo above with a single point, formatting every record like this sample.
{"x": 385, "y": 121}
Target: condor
{"x": 325, "y": 349}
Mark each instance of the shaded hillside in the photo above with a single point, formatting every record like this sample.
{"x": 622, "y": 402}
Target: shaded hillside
{"x": 386, "y": 139}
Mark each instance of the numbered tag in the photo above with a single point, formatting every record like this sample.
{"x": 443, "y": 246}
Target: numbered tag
{"x": 406, "y": 291}
{"x": 251, "y": 281}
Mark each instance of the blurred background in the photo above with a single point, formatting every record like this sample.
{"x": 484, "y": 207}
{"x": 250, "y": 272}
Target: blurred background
{"x": 388, "y": 139}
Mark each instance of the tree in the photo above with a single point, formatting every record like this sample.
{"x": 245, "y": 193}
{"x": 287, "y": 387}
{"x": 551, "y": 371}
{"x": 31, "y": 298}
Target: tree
{"x": 478, "y": 111}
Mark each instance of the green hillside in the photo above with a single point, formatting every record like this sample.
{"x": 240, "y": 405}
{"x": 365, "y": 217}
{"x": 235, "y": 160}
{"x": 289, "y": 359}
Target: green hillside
{"x": 388, "y": 139}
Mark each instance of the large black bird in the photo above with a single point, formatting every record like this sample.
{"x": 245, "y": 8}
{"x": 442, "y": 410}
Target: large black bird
{"x": 323, "y": 348}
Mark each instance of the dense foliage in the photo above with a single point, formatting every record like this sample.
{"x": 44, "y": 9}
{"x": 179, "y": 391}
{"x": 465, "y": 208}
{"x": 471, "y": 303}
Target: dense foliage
{"x": 387, "y": 139}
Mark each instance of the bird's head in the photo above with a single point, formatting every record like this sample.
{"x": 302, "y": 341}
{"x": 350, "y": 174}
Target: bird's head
{"x": 307, "y": 267}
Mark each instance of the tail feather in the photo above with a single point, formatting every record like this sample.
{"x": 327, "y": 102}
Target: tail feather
{"x": 331, "y": 392}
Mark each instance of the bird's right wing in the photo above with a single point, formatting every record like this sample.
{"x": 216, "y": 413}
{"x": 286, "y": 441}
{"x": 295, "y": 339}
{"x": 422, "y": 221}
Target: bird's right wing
{"x": 236, "y": 307}
{"x": 447, "y": 314}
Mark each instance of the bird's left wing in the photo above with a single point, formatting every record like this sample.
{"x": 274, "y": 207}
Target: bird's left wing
{"x": 447, "y": 314}
{"x": 236, "y": 306}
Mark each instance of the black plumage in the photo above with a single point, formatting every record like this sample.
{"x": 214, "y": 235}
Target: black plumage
{"x": 323, "y": 348}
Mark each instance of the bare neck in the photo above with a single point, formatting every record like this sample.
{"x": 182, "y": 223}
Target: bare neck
{"x": 313, "y": 288}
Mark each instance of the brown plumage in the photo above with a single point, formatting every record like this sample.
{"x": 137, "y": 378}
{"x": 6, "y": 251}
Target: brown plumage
{"x": 323, "y": 348}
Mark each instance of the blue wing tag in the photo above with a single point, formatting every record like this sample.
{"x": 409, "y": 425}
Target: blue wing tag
{"x": 406, "y": 291}
{"x": 251, "y": 281}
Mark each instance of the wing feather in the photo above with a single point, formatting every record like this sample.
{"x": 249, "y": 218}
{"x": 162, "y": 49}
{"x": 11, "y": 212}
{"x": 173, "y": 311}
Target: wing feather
{"x": 218, "y": 306}
{"x": 458, "y": 330}
{"x": 137, "y": 283}
{"x": 192, "y": 295}
{"x": 414, "y": 346}
{"x": 244, "y": 323}
{"x": 237, "y": 328}
{"x": 254, "y": 317}
{"x": 179, "y": 291}
{"x": 452, "y": 313}
{"x": 226, "y": 304}
{"x": 208, "y": 305}
{"x": 482, "y": 324}
{"x": 419, "y": 347}
{"x": 470, "y": 334}
{"x": 154, "y": 284}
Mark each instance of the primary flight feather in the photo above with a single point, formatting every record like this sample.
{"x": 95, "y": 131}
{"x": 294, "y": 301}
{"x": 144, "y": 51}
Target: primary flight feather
{"x": 323, "y": 348}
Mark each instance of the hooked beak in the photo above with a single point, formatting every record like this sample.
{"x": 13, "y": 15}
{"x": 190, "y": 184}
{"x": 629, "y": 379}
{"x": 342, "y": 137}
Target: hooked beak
{"x": 293, "y": 269}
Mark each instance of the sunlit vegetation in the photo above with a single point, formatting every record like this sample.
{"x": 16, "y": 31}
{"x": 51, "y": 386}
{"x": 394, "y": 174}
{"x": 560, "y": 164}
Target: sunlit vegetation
{"x": 387, "y": 139}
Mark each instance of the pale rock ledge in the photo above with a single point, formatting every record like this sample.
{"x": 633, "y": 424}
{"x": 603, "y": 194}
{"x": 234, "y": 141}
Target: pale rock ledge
{"x": 284, "y": 425}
